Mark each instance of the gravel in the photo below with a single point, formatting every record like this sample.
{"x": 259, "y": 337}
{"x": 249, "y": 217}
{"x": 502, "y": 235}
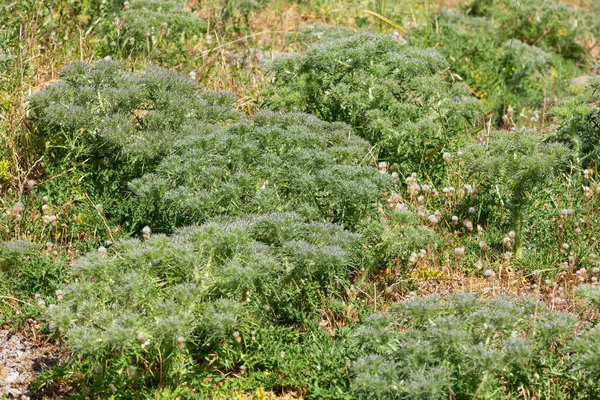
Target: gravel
{"x": 20, "y": 361}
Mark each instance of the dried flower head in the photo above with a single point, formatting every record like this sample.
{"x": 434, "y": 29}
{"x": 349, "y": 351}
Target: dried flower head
{"x": 18, "y": 207}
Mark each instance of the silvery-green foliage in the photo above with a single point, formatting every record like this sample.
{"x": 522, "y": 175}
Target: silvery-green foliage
{"x": 274, "y": 162}
{"x": 436, "y": 347}
{"x": 392, "y": 95}
{"x": 157, "y": 29}
{"x": 118, "y": 118}
{"x": 511, "y": 165}
{"x": 579, "y": 118}
{"x": 174, "y": 298}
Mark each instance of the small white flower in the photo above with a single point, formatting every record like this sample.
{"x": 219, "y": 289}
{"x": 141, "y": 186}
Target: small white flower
{"x": 489, "y": 274}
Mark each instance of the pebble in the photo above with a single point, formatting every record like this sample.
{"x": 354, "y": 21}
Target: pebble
{"x": 19, "y": 364}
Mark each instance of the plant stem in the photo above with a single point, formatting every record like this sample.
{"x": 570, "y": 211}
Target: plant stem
{"x": 518, "y": 230}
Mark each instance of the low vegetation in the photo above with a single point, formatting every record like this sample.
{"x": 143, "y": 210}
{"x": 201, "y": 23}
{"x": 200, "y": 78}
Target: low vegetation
{"x": 276, "y": 199}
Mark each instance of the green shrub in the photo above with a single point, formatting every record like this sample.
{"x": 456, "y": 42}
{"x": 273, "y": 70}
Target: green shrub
{"x": 436, "y": 348}
{"x": 148, "y": 311}
{"x": 157, "y": 29}
{"x": 579, "y": 125}
{"x": 290, "y": 162}
{"x": 555, "y": 27}
{"x": 107, "y": 127}
{"x": 517, "y": 162}
{"x": 392, "y": 95}
{"x": 29, "y": 279}
{"x": 504, "y": 71}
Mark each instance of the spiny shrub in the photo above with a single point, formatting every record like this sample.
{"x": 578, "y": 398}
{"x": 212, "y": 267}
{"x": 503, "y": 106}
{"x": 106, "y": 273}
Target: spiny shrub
{"x": 579, "y": 124}
{"x": 555, "y": 27}
{"x": 517, "y": 162}
{"x": 29, "y": 278}
{"x": 145, "y": 312}
{"x": 106, "y": 127}
{"x": 290, "y": 162}
{"x": 503, "y": 71}
{"x": 459, "y": 346}
{"x": 392, "y": 95}
{"x": 157, "y": 29}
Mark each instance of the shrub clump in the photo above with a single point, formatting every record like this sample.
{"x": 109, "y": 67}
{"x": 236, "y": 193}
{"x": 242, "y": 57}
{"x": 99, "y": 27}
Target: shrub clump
{"x": 158, "y": 29}
{"x": 189, "y": 156}
{"x": 436, "y": 348}
{"x": 517, "y": 162}
{"x": 290, "y": 162}
{"x": 30, "y": 275}
{"x": 392, "y": 95}
{"x": 505, "y": 72}
{"x": 145, "y": 312}
{"x": 579, "y": 124}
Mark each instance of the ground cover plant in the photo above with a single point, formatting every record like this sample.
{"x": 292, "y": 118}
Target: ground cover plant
{"x": 514, "y": 56}
{"x": 146, "y": 312}
{"x": 176, "y": 239}
{"x": 190, "y": 156}
{"x": 392, "y": 95}
{"x": 436, "y": 347}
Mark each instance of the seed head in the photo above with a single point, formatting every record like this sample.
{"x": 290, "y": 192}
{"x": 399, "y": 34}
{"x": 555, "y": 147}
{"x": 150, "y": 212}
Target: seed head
{"x": 433, "y": 219}
{"x": 102, "y": 251}
{"x": 564, "y": 247}
{"x": 141, "y": 338}
{"x": 447, "y": 157}
{"x": 459, "y": 252}
{"x": 45, "y": 209}
{"x": 30, "y": 184}
{"x": 99, "y": 207}
{"x": 45, "y": 199}
{"x": 180, "y": 342}
{"x": 59, "y": 294}
{"x": 472, "y": 210}
{"x": 454, "y": 219}
{"x": 489, "y": 274}
{"x": 146, "y": 232}
{"x": 18, "y": 207}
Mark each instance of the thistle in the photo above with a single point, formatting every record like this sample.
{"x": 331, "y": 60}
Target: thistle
{"x": 519, "y": 162}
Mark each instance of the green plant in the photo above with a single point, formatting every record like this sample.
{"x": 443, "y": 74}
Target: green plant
{"x": 146, "y": 312}
{"x": 99, "y": 127}
{"x": 289, "y": 162}
{"x": 555, "y": 27}
{"x": 157, "y": 29}
{"x": 505, "y": 71}
{"x": 579, "y": 120}
{"x": 30, "y": 275}
{"x": 392, "y": 95}
{"x": 517, "y": 162}
{"x": 434, "y": 347}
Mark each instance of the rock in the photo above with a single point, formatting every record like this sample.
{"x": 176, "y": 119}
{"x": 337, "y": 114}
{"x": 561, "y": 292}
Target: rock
{"x": 580, "y": 80}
